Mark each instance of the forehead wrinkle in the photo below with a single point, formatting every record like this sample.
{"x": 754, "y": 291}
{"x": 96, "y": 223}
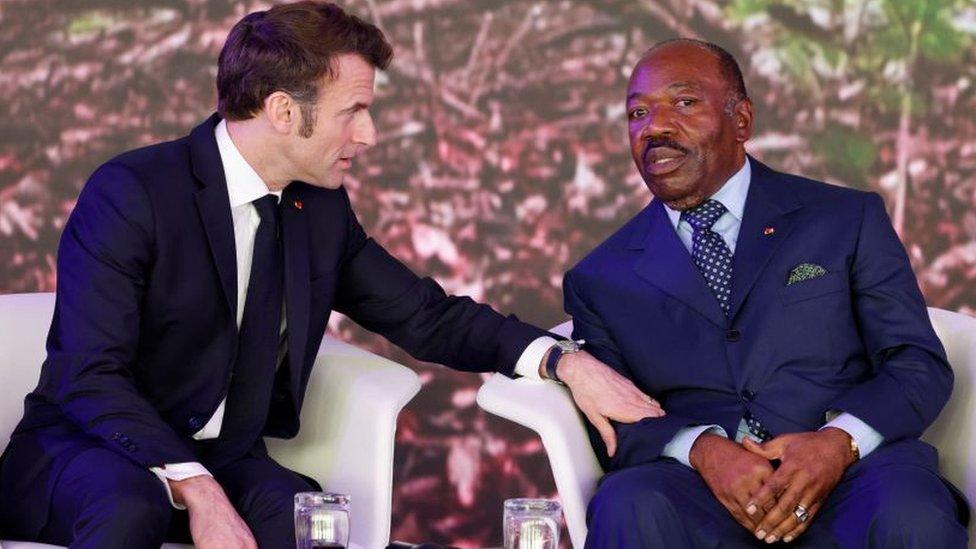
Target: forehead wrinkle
{"x": 685, "y": 85}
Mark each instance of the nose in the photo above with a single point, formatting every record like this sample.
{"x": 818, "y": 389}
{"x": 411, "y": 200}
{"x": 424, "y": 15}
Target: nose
{"x": 657, "y": 123}
{"x": 365, "y": 131}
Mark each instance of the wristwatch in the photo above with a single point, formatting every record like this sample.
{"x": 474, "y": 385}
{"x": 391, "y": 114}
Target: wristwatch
{"x": 855, "y": 451}
{"x": 562, "y": 347}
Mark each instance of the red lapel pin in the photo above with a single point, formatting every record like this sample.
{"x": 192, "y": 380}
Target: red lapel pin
{"x": 298, "y": 204}
{"x": 768, "y": 231}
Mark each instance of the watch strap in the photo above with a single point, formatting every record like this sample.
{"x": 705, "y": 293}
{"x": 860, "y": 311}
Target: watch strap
{"x": 555, "y": 353}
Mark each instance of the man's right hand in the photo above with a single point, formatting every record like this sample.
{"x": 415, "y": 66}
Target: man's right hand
{"x": 214, "y": 523}
{"x": 603, "y": 395}
{"x": 733, "y": 473}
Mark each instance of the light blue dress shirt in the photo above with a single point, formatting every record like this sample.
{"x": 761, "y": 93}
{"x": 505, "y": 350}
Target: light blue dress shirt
{"x": 733, "y": 195}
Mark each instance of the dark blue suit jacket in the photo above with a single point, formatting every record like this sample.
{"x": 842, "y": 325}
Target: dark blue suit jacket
{"x": 857, "y": 339}
{"x": 144, "y": 334}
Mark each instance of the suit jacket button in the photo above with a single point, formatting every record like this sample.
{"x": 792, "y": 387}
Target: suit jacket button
{"x": 733, "y": 335}
{"x": 748, "y": 395}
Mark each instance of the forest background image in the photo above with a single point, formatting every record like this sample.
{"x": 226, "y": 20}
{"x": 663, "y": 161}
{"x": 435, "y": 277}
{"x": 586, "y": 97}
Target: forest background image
{"x": 503, "y": 158}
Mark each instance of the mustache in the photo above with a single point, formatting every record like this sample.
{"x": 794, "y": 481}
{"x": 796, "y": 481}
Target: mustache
{"x": 655, "y": 142}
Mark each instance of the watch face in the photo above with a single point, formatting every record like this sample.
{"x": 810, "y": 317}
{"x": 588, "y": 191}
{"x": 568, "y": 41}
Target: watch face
{"x": 568, "y": 346}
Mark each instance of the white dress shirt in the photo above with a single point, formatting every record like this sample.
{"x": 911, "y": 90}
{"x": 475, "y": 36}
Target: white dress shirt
{"x": 244, "y": 186}
{"x": 733, "y": 195}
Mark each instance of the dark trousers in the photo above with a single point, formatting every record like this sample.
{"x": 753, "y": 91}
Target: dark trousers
{"x": 103, "y": 500}
{"x": 892, "y": 498}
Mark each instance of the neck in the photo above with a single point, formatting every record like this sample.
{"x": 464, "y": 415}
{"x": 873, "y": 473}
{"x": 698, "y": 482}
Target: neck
{"x": 257, "y": 144}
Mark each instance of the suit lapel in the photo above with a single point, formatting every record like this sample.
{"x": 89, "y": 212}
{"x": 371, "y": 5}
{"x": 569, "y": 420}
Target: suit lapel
{"x": 666, "y": 264}
{"x": 294, "y": 222}
{"x": 213, "y": 205}
{"x": 765, "y": 226}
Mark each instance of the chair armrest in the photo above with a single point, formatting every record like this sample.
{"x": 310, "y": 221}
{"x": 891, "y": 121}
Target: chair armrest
{"x": 347, "y": 435}
{"x": 549, "y": 410}
{"x": 954, "y": 431}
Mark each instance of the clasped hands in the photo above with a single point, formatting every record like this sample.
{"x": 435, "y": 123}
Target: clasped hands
{"x": 762, "y": 499}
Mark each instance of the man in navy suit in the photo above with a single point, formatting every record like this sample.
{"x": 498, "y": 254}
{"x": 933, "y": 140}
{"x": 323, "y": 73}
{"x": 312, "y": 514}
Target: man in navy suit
{"x": 195, "y": 281}
{"x": 778, "y": 322}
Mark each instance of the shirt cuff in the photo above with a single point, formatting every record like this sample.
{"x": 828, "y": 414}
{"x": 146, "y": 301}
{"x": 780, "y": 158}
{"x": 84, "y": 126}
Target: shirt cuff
{"x": 680, "y": 446}
{"x": 212, "y": 428}
{"x": 864, "y": 435}
{"x": 531, "y": 360}
{"x": 178, "y": 471}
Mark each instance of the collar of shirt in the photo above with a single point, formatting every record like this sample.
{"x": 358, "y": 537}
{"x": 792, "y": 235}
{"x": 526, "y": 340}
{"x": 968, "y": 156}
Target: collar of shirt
{"x": 732, "y": 195}
{"x": 244, "y": 185}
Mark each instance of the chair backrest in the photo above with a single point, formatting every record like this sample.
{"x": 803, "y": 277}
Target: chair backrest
{"x": 24, "y": 323}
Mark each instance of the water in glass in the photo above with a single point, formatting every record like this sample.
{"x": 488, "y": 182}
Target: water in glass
{"x": 321, "y": 520}
{"x": 531, "y": 523}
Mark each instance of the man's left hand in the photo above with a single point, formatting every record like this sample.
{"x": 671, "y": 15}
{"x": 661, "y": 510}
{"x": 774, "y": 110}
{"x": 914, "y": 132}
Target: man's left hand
{"x": 811, "y": 465}
{"x": 603, "y": 395}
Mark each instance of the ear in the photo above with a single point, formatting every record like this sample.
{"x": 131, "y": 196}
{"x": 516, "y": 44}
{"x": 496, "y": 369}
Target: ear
{"x": 282, "y": 112}
{"x": 742, "y": 117}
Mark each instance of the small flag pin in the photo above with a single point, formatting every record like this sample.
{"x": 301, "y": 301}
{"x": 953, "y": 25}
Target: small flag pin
{"x": 298, "y": 204}
{"x": 768, "y": 231}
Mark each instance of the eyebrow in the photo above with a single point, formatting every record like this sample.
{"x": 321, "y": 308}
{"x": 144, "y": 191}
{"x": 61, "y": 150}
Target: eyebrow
{"x": 357, "y": 106}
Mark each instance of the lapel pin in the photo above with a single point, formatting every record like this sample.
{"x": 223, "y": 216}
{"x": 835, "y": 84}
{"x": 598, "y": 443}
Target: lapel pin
{"x": 298, "y": 204}
{"x": 768, "y": 231}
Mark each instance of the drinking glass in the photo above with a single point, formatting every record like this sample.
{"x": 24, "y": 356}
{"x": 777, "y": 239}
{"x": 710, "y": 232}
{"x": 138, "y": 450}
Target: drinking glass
{"x": 321, "y": 520}
{"x": 531, "y": 523}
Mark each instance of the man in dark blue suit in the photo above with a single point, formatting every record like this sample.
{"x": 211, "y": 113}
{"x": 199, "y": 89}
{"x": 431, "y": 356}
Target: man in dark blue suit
{"x": 778, "y": 322}
{"x": 195, "y": 281}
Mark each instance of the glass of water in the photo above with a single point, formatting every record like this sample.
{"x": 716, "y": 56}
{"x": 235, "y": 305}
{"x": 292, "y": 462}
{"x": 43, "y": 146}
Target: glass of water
{"x": 531, "y": 523}
{"x": 321, "y": 520}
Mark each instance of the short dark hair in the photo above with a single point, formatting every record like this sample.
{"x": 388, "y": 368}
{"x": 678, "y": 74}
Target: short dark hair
{"x": 728, "y": 66}
{"x": 289, "y": 48}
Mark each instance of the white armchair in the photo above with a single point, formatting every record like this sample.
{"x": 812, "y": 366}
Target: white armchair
{"x": 348, "y": 418}
{"x": 548, "y": 409}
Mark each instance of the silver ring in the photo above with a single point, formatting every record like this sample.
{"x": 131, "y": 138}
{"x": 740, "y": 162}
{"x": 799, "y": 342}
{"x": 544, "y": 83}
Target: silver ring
{"x": 801, "y": 514}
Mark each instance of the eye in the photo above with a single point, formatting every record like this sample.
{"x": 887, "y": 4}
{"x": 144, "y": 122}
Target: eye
{"x": 685, "y": 102}
{"x": 636, "y": 113}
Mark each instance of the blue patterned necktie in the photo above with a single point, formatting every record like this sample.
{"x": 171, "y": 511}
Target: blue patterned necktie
{"x": 714, "y": 259}
{"x": 756, "y": 428}
{"x": 709, "y": 251}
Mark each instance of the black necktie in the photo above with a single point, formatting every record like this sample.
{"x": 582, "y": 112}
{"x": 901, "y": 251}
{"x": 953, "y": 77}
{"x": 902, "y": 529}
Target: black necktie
{"x": 249, "y": 395}
{"x": 709, "y": 250}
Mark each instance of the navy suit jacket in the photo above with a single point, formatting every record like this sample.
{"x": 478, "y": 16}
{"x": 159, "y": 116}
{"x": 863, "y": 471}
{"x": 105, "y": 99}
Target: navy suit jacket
{"x": 144, "y": 334}
{"x": 857, "y": 340}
